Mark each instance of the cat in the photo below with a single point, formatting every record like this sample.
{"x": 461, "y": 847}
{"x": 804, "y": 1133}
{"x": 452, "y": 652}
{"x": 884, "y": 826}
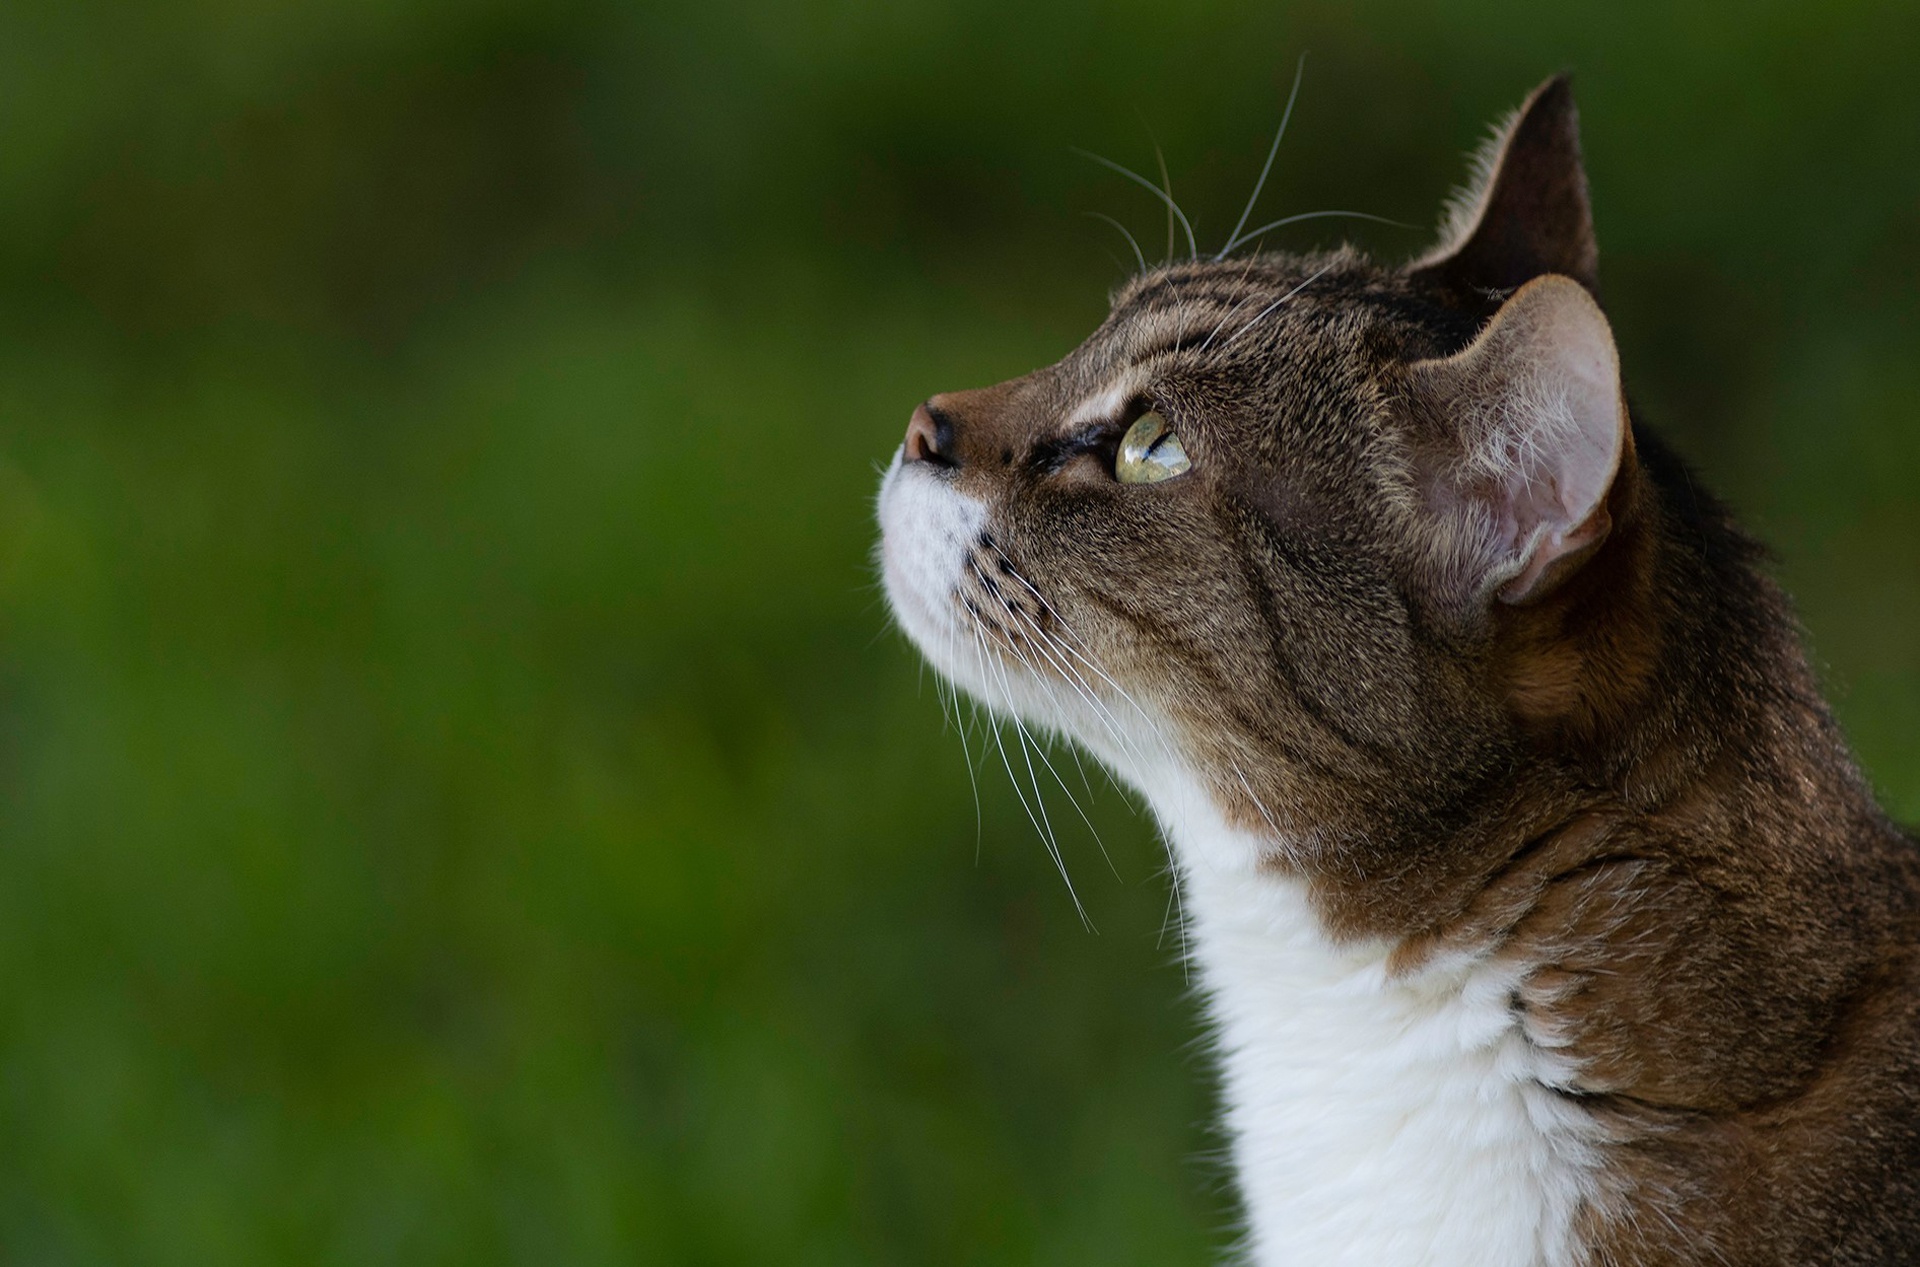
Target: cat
{"x": 1542, "y": 915}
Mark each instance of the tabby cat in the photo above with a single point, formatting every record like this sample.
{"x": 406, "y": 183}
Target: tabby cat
{"x": 1542, "y": 913}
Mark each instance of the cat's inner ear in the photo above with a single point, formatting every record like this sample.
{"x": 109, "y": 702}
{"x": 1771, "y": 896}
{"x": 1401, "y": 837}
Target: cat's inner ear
{"x": 1526, "y": 213}
{"x": 1532, "y": 431}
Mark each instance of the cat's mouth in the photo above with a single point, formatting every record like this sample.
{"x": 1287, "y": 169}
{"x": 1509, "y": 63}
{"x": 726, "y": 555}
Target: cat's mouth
{"x": 953, "y": 587}
{"x": 927, "y": 530}
{"x": 944, "y": 579}
{"x": 960, "y": 594}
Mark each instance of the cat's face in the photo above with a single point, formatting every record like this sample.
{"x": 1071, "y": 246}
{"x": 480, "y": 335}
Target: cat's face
{"x": 1252, "y": 537}
{"x": 1258, "y": 599}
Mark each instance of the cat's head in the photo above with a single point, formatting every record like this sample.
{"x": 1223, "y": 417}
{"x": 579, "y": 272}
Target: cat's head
{"x": 1306, "y": 534}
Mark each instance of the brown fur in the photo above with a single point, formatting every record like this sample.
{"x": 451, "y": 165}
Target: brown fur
{"x": 1631, "y": 786}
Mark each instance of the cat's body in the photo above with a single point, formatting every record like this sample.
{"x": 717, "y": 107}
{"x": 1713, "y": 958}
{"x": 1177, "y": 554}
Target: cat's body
{"x": 1542, "y": 913}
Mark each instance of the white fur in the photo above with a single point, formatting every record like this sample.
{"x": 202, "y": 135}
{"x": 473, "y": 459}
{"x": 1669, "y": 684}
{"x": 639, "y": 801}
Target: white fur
{"x": 1108, "y": 402}
{"x": 1375, "y": 1120}
{"x": 925, "y": 530}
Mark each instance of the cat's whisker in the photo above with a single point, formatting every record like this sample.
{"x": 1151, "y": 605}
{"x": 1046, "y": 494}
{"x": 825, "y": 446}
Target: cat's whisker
{"x": 1102, "y": 713}
{"x": 1152, "y": 724}
{"x": 1138, "y": 254}
{"x": 1280, "y": 838}
{"x": 1080, "y": 767}
{"x": 1155, "y": 190}
{"x": 966, "y": 749}
{"x": 1180, "y": 911}
{"x": 1045, "y": 823}
{"x": 1236, "y": 306}
{"x": 1422, "y": 972}
{"x": 993, "y": 668}
{"x": 1043, "y": 640}
{"x": 1014, "y": 572}
{"x": 1034, "y": 671}
{"x": 1128, "y": 742}
{"x": 1225, "y": 317}
{"x": 1177, "y": 908}
{"x": 1231, "y": 308}
{"x": 885, "y": 629}
{"x": 1166, "y": 184}
{"x": 1022, "y": 622}
{"x": 1274, "y": 306}
{"x": 1126, "y": 738}
{"x": 1039, "y": 819}
{"x": 1284, "y": 221}
{"x": 1286, "y": 116}
{"x": 1056, "y": 650}
{"x": 1073, "y": 679}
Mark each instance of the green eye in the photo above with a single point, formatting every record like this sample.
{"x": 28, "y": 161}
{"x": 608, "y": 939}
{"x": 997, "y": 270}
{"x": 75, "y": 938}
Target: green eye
{"x": 1149, "y": 452}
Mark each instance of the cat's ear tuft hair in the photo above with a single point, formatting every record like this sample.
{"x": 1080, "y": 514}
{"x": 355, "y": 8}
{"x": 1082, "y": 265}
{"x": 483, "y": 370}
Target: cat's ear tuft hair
{"x": 1532, "y": 428}
{"x": 1526, "y": 213}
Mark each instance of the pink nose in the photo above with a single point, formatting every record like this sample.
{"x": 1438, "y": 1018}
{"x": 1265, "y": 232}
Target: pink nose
{"x": 929, "y": 437}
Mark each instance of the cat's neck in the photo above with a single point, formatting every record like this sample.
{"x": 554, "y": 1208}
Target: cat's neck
{"x": 1377, "y": 1115}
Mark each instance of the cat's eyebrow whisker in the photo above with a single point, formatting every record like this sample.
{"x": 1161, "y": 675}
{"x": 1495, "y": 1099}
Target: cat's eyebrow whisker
{"x": 1138, "y": 254}
{"x": 1172, "y": 206}
{"x": 1270, "y": 308}
{"x": 1299, "y": 72}
{"x": 1236, "y": 306}
{"x": 1246, "y": 270}
{"x": 1221, "y": 324}
{"x": 1283, "y": 221}
{"x": 1166, "y": 184}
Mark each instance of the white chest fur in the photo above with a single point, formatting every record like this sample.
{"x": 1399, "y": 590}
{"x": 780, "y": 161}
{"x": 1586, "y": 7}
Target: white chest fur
{"x": 1375, "y": 1120}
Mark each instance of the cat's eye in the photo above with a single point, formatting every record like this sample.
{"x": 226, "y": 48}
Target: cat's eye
{"x": 1149, "y": 452}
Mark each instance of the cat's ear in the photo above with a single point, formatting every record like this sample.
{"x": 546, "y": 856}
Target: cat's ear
{"x": 1531, "y": 427}
{"x": 1526, "y": 212}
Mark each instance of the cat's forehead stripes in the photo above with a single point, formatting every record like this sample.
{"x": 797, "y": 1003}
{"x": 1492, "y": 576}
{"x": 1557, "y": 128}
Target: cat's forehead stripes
{"x": 1189, "y": 310}
{"x": 1202, "y": 307}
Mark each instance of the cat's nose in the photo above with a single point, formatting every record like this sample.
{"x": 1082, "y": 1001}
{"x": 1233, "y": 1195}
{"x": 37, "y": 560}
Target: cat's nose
{"x": 930, "y": 436}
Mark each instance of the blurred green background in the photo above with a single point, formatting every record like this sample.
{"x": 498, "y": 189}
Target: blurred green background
{"x": 460, "y": 801}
